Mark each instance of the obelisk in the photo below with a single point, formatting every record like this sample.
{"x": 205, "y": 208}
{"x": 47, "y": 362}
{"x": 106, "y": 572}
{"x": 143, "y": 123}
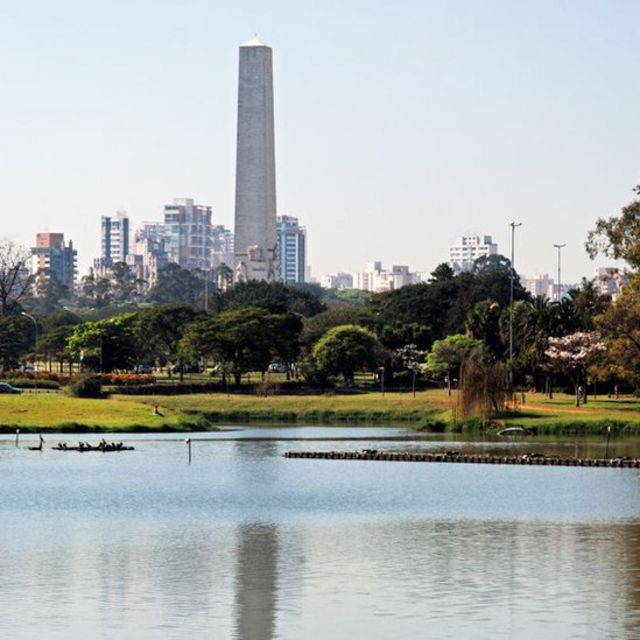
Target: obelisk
{"x": 255, "y": 217}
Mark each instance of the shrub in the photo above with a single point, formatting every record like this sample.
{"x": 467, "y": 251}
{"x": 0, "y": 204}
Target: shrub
{"x": 125, "y": 379}
{"x": 86, "y": 387}
{"x": 33, "y": 383}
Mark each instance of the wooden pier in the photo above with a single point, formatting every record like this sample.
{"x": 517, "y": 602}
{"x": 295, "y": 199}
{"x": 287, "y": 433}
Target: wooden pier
{"x": 455, "y": 457}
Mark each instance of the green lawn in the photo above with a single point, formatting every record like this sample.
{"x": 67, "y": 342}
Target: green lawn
{"x": 56, "y": 411}
{"x": 119, "y": 412}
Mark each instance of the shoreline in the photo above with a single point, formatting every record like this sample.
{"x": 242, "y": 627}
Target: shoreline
{"x": 429, "y": 412}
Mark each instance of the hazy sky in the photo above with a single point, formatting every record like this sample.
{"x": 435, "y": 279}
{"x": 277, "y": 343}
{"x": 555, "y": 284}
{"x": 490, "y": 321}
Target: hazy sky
{"x": 399, "y": 124}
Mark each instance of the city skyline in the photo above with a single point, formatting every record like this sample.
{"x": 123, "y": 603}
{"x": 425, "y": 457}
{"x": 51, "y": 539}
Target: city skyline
{"x": 504, "y": 113}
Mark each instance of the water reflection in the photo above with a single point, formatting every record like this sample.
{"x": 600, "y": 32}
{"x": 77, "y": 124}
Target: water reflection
{"x": 256, "y": 581}
{"x": 248, "y": 544}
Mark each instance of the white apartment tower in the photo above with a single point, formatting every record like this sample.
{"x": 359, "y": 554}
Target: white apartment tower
{"x": 291, "y": 249}
{"x": 114, "y": 239}
{"x": 465, "y": 250}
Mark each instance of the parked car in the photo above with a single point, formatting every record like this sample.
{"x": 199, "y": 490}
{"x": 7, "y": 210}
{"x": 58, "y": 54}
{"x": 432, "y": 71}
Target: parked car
{"x": 277, "y": 367}
{"x": 143, "y": 368}
{"x": 187, "y": 368}
{"x": 5, "y": 387}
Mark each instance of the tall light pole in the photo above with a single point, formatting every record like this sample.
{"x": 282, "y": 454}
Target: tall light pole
{"x": 35, "y": 348}
{"x": 513, "y": 226}
{"x": 559, "y": 248}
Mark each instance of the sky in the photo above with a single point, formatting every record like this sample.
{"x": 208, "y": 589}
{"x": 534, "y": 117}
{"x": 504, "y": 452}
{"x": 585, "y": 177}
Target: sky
{"x": 399, "y": 125}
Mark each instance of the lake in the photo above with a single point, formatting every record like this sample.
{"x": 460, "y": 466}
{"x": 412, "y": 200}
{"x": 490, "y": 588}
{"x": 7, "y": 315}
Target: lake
{"x": 243, "y": 543}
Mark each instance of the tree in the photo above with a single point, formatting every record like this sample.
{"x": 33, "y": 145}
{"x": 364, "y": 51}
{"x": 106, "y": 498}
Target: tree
{"x": 57, "y": 329}
{"x": 224, "y": 277}
{"x": 346, "y": 349}
{"x": 483, "y": 323}
{"x": 572, "y": 355}
{"x": 411, "y": 358}
{"x": 448, "y": 355}
{"x": 94, "y": 292}
{"x": 176, "y": 284}
{"x": 618, "y": 236}
{"x": 15, "y": 280}
{"x": 620, "y": 326}
{"x": 50, "y": 294}
{"x": 159, "y": 330}
{"x": 245, "y": 339}
{"x": 104, "y": 345}
{"x": 336, "y": 315}
{"x": 123, "y": 284}
{"x": 276, "y": 297}
{"x": 16, "y": 339}
{"x": 442, "y": 273}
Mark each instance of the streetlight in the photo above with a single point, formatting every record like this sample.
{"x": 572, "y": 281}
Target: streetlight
{"x": 513, "y": 226}
{"x": 35, "y": 325}
{"x": 559, "y": 248}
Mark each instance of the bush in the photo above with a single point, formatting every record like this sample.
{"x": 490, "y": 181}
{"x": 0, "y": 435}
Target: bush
{"x": 33, "y": 383}
{"x": 86, "y": 387}
{"x": 61, "y": 378}
{"x": 125, "y": 379}
{"x": 169, "y": 389}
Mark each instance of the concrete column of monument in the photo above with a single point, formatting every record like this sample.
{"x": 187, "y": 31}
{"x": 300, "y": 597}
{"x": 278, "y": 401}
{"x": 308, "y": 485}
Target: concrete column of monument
{"x": 255, "y": 215}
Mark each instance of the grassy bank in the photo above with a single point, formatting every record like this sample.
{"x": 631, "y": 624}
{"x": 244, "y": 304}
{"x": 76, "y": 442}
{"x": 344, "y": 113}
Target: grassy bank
{"x": 431, "y": 410}
{"x": 57, "y": 412}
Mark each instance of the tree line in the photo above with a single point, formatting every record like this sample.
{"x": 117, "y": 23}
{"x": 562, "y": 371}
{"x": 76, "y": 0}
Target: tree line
{"x": 431, "y": 330}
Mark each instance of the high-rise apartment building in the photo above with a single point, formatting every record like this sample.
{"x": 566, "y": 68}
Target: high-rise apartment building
{"x": 149, "y": 254}
{"x": 377, "y": 279}
{"x": 465, "y": 250}
{"x": 114, "y": 238}
{"x": 255, "y": 215}
{"x": 188, "y": 234}
{"x": 52, "y": 259}
{"x": 291, "y": 249}
{"x": 223, "y": 247}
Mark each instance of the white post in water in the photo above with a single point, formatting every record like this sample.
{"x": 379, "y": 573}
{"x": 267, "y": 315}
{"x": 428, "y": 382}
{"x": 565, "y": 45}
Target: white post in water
{"x": 17, "y": 436}
{"x": 188, "y": 441}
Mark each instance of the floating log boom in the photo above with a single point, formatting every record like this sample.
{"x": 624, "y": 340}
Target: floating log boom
{"x": 454, "y": 456}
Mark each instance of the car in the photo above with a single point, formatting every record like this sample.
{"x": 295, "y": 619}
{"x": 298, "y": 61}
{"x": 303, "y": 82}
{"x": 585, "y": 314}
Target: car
{"x": 187, "y": 368}
{"x": 277, "y": 367}
{"x": 143, "y": 368}
{"x": 5, "y": 387}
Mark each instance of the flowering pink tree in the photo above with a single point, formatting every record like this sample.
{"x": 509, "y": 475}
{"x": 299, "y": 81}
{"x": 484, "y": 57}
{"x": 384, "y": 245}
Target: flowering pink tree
{"x": 572, "y": 355}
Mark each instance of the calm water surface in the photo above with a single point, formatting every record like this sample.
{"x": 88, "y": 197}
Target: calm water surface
{"x": 243, "y": 543}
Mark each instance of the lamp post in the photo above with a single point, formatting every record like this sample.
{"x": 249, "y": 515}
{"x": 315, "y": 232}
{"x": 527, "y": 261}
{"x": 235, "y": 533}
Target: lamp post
{"x": 513, "y": 226}
{"x": 559, "y": 247}
{"x": 35, "y": 326}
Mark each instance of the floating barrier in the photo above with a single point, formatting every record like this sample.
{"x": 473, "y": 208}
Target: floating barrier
{"x": 454, "y": 456}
